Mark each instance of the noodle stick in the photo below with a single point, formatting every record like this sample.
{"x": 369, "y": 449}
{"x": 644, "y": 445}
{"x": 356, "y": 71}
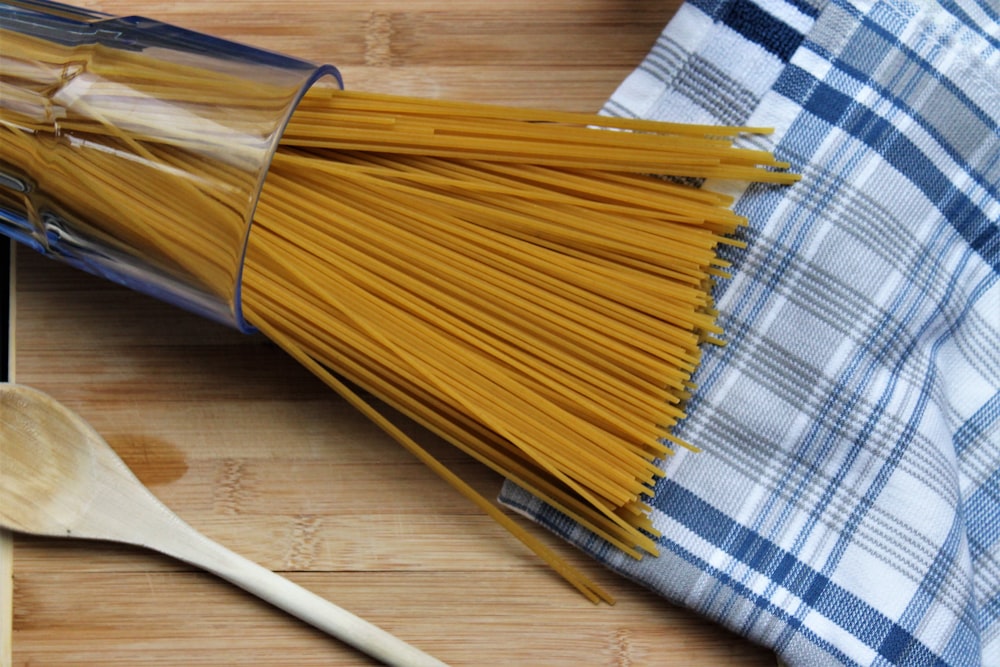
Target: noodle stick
{"x": 502, "y": 291}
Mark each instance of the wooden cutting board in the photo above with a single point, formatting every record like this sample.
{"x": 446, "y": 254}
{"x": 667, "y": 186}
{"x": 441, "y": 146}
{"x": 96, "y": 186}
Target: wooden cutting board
{"x": 249, "y": 448}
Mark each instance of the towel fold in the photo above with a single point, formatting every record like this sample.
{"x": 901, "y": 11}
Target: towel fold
{"x": 846, "y": 506}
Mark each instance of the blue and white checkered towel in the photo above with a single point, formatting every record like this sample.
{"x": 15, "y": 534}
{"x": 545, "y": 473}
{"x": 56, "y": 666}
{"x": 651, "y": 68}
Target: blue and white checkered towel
{"x": 846, "y": 508}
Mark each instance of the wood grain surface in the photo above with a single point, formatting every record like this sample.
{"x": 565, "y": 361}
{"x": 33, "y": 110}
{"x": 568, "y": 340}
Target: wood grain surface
{"x": 250, "y": 449}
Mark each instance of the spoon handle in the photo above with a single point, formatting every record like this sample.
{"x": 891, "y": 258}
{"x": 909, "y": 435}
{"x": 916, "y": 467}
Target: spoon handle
{"x": 195, "y": 548}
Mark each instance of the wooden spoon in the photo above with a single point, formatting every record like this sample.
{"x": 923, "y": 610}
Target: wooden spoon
{"x": 59, "y": 478}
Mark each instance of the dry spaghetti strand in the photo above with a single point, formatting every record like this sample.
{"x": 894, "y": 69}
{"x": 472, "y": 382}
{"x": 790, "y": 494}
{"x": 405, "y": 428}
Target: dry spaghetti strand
{"x": 510, "y": 279}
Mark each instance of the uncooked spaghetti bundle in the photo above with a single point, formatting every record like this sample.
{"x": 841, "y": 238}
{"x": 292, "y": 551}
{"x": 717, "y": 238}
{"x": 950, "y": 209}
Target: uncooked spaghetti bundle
{"x": 528, "y": 285}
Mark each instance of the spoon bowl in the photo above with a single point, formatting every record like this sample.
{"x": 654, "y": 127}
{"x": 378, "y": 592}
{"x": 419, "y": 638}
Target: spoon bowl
{"x": 46, "y": 463}
{"x": 59, "y": 477}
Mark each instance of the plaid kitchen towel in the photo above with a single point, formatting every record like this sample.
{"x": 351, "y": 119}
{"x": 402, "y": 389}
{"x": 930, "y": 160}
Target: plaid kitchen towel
{"x": 846, "y": 506}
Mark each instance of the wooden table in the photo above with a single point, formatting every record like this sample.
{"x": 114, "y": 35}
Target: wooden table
{"x": 250, "y": 449}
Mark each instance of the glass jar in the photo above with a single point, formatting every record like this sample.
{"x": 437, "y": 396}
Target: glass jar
{"x": 137, "y": 150}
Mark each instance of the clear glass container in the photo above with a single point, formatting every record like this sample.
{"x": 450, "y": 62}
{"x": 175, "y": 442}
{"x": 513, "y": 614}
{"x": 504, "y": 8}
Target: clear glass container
{"x": 137, "y": 150}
